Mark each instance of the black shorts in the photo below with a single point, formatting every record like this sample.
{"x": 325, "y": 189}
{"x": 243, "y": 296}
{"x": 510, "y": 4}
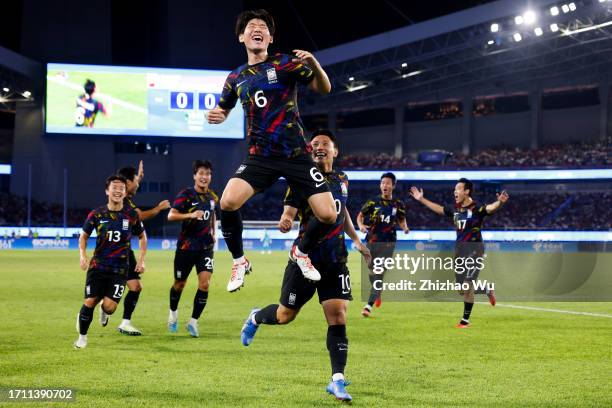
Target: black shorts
{"x": 100, "y": 284}
{"x": 380, "y": 250}
{"x": 300, "y": 172}
{"x": 469, "y": 259}
{"x": 296, "y": 291}
{"x": 132, "y": 274}
{"x": 184, "y": 261}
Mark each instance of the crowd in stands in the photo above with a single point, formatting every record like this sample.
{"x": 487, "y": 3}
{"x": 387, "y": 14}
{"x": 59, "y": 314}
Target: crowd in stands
{"x": 14, "y": 212}
{"x": 587, "y": 154}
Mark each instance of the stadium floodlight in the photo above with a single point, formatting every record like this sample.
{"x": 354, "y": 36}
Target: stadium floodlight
{"x": 572, "y": 6}
{"x": 404, "y": 65}
{"x": 554, "y": 27}
{"x": 494, "y": 27}
{"x": 351, "y": 79}
{"x": 413, "y": 73}
{"x": 529, "y": 17}
{"x": 490, "y": 42}
{"x": 5, "y": 89}
{"x": 357, "y": 87}
{"x": 27, "y": 94}
{"x": 518, "y": 20}
{"x": 602, "y": 1}
{"x": 565, "y": 8}
{"x": 554, "y": 11}
{"x": 538, "y": 31}
{"x": 517, "y": 37}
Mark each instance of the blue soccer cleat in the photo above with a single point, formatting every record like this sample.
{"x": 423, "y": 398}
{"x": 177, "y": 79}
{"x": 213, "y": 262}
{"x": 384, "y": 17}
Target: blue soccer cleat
{"x": 172, "y": 326}
{"x": 249, "y": 329}
{"x": 192, "y": 328}
{"x": 336, "y": 388}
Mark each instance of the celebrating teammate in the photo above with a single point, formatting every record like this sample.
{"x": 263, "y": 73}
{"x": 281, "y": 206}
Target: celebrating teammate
{"x": 468, "y": 217}
{"x": 134, "y": 284}
{"x": 114, "y": 224}
{"x": 378, "y": 219}
{"x": 267, "y": 88}
{"x": 330, "y": 258}
{"x": 87, "y": 107}
{"x": 195, "y": 208}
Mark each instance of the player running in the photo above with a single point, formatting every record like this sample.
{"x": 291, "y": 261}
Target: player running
{"x": 378, "y": 219}
{"x": 330, "y": 258}
{"x": 267, "y": 88}
{"x": 195, "y": 208}
{"x": 87, "y": 107}
{"x": 114, "y": 224}
{"x": 133, "y": 277}
{"x": 468, "y": 217}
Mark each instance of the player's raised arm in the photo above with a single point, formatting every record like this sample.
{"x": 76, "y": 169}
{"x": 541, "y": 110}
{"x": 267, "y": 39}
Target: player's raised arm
{"x": 142, "y": 246}
{"x": 148, "y": 214}
{"x": 349, "y": 228}
{"x": 417, "y": 194}
{"x": 502, "y": 198}
{"x": 286, "y": 219}
{"x": 84, "y": 261}
{"x": 320, "y": 82}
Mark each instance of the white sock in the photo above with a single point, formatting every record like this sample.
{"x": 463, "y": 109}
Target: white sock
{"x": 83, "y": 337}
{"x": 338, "y": 377}
{"x": 125, "y": 322}
{"x": 239, "y": 260}
{"x": 173, "y": 315}
{"x": 299, "y": 253}
{"x": 193, "y": 322}
{"x": 368, "y": 307}
{"x": 253, "y": 319}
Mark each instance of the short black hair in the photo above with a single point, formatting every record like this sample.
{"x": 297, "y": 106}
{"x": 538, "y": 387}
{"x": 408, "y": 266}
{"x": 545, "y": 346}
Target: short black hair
{"x": 389, "y": 175}
{"x": 115, "y": 177}
{"x": 129, "y": 173}
{"x": 90, "y": 86}
{"x": 248, "y": 15}
{"x": 467, "y": 185}
{"x": 324, "y": 132}
{"x": 201, "y": 163}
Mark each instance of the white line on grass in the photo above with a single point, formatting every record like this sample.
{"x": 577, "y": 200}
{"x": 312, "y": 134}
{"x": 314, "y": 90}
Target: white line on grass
{"x": 127, "y": 105}
{"x": 543, "y": 309}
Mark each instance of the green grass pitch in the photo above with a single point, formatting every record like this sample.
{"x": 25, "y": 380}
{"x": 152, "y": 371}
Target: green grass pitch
{"x": 127, "y": 87}
{"x": 407, "y": 354}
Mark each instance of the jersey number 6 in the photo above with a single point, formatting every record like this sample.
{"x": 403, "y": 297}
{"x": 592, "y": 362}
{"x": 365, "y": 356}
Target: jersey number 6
{"x": 260, "y": 99}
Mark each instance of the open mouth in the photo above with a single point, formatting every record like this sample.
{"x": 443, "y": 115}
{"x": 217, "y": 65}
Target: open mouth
{"x": 257, "y": 38}
{"x": 320, "y": 155}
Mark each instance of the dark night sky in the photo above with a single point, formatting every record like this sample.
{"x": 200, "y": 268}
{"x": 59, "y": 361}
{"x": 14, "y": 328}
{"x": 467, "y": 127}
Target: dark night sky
{"x": 311, "y": 25}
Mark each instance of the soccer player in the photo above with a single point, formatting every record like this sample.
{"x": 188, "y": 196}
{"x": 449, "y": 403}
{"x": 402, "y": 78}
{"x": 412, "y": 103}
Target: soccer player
{"x": 267, "y": 88}
{"x": 195, "y": 208}
{"x": 330, "y": 258}
{"x": 133, "y": 277}
{"x": 114, "y": 224}
{"x": 468, "y": 217}
{"x": 378, "y": 219}
{"x": 87, "y": 107}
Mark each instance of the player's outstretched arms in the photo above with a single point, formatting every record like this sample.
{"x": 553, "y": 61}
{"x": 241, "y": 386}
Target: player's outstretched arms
{"x": 417, "y": 194}
{"x": 320, "y": 83}
{"x": 286, "y": 220}
{"x": 142, "y": 246}
{"x": 362, "y": 227}
{"x": 84, "y": 261}
{"x": 175, "y": 215}
{"x": 502, "y": 198}
{"x": 218, "y": 115}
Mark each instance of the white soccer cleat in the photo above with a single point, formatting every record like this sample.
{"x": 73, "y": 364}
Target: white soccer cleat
{"x": 126, "y": 328}
{"x": 103, "y": 316}
{"x": 310, "y": 272}
{"x": 192, "y": 328}
{"x": 81, "y": 342}
{"x": 239, "y": 269}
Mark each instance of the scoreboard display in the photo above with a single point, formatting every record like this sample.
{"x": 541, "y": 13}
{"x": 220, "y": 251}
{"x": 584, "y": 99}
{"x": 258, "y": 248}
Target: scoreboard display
{"x": 136, "y": 101}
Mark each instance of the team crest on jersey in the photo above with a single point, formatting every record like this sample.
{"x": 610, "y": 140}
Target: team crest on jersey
{"x": 212, "y": 205}
{"x": 272, "y": 78}
{"x": 469, "y": 214}
{"x": 126, "y": 225}
{"x": 394, "y": 211}
{"x": 344, "y": 189}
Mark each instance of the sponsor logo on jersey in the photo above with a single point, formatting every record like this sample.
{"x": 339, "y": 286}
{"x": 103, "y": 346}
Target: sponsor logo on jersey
{"x": 272, "y": 78}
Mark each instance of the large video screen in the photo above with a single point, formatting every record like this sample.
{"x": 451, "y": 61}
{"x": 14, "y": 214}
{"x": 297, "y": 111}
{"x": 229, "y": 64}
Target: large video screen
{"x": 113, "y": 100}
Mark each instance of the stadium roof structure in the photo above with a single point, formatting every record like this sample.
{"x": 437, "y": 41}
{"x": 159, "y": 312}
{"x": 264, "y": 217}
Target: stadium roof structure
{"x": 501, "y": 47}
{"x": 20, "y": 79}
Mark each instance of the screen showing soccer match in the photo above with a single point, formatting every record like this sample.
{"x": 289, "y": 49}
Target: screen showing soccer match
{"x": 113, "y": 100}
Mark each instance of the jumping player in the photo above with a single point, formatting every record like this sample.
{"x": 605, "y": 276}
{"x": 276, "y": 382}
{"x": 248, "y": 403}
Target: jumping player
{"x": 87, "y": 107}
{"x": 106, "y": 273}
{"x": 468, "y": 217}
{"x": 267, "y": 88}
